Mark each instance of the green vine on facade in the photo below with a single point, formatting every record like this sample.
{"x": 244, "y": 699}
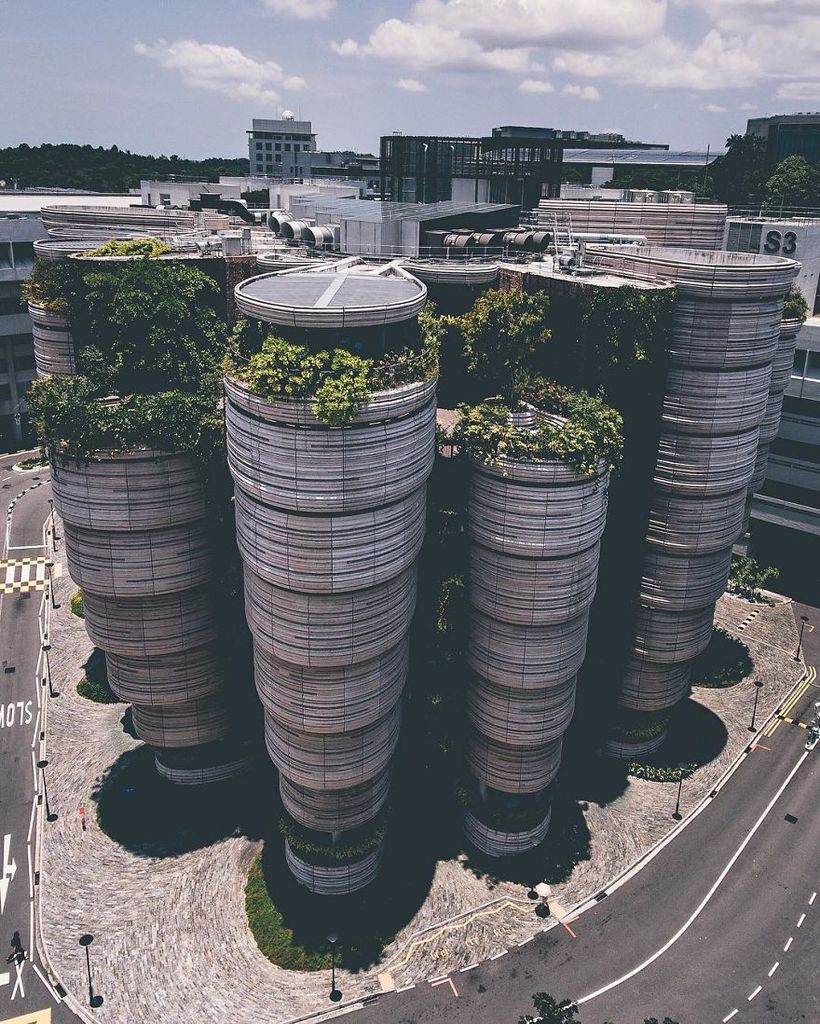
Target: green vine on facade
{"x": 357, "y": 845}
{"x": 149, "y": 247}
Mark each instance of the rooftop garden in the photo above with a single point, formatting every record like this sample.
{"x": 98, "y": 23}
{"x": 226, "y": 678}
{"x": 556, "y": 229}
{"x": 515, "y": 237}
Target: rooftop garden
{"x": 795, "y": 307}
{"x": 337, "y": 381}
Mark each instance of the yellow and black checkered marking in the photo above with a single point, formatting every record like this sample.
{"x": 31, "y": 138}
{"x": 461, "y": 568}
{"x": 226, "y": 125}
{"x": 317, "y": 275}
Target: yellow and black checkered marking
{"x": 22, "y": 575}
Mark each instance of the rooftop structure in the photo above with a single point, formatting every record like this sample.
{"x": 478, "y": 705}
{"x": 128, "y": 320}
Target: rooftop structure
{"x": 788, "y": 135}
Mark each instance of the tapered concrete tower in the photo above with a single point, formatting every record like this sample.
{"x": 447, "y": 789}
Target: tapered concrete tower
{"x": 535, "y": 530}
{"x": 727, "y": 324}
{"x": 330, "y": 521}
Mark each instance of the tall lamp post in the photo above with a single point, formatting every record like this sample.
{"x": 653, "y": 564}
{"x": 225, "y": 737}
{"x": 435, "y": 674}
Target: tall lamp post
{"x": 676, "y": 814}
{"x": 49, "y": 568}
{"x": 54, "y": 537}
{"x": 803, "y": 620}
{"x": 42, "y": 765}
{"x": 335, "y": 994}
{"x": 93, "y": 1000}
{"x": 758, "y": 688}
{"x": 46, "y": 649}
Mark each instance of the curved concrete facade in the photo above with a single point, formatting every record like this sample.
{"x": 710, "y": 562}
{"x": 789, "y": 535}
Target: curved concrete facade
{"x": 137, "y": 547}
{"x": 535, "y": 530}
{"x": 330, "y": 522}
{"x": 719, "y": 407}
{"x": 53, "y": 344}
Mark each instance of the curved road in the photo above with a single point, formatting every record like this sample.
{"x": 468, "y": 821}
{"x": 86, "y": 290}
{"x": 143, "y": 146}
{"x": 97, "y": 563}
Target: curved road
{"x": 723, "y": 924}
{"x": 25, "y": 994}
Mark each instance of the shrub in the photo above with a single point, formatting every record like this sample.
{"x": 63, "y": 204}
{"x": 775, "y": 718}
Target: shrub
{"x": 747, "y": 577}
{"x": 358, "y": 844}
{"x": 150, "y": 247}
{"x": 795, "y": 307}
{"x": 76, "y": 604}
{"x": 50, "y": 284}
{"x": 97, "y": 691}
{"x": 725, "y": 662}
{"x": 660, "y": 773}
{"x": 336, "y": 380}
{"x": 635, "y": 727}
{"x": 36, "y": 462}
{"x": 590, "y": 435}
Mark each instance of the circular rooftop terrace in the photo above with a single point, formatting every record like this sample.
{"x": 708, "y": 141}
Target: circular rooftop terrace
{"x": 331, "y": 300}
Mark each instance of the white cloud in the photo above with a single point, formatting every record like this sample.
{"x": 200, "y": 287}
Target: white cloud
{"x": 583, "y": 92}
{"x": 748, "y": 106}
{"x": 421, "y": 45}
{"x": 536, "y": 85}
{"x": 223, "y": 69}
{"x": 714, "y": 108}
{"x": 799, "y": 91}
{"x": 303, "y": 10}
{"x": 411, "y": 85}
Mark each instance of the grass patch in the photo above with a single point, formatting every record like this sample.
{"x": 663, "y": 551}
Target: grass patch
{"x": 76, "y": 604}
{"x": 725, "y": 662}
{"x": 660, "y": 772}
{"x": 96, "y": 690}
{"x": 274, "y": 940}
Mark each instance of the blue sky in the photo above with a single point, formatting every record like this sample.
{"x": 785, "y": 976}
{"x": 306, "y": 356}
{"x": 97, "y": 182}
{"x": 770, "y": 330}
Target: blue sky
{"x": 186, "y": 77}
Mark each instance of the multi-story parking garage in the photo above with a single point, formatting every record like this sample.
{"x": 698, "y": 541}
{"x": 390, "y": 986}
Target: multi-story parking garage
{"x": 330, "y": 522}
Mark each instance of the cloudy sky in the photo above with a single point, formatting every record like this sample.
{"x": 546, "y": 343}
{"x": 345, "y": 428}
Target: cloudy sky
{"x": 187, "y": 76}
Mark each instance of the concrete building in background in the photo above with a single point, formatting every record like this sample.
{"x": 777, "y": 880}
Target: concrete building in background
{"x": 280, "y": 147}
{"x": 788, "y": 135}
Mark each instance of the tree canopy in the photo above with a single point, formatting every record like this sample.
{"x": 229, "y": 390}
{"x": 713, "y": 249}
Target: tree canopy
{"x": 103, "y": 170}
{"x": 795, "y": 182}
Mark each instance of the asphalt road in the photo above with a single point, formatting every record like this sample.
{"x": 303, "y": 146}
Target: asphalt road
{"x": 23, "y": 988}
{"x": 696, "y": 934}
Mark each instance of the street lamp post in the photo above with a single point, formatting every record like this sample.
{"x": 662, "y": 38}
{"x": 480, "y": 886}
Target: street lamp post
{"x": 93, "y": 1000}
{"x": 803, "y": 620}
{"x": 53, "y": 528}
{"x": 758, "y": 688}
{"x": 49, "y": 567}
{"x": 335, "y": 994}
{"x": 42, "y": 766}
{"x": 676, "y": 814}
{"x": 46, "y": 649}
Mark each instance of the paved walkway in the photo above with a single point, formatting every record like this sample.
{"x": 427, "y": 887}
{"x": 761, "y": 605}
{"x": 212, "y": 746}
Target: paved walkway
{"x": 171, "y": 943}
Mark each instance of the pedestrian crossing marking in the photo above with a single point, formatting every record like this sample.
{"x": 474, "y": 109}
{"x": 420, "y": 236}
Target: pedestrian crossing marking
{"x": 22, "y": 575}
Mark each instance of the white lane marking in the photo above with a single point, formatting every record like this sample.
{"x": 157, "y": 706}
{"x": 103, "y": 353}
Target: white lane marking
{"x": 756, "y": 991}
{"x": 499, "y": 955}
{"x": 699, "y": 909}
{"x": 34, "y": 772}
{"x": 440, "y": 977}
{"x": 44, "y": 980}
{"x": 406, "y": 988}
{"x": 730, "y": 1015}
{"x": 802, "y": 919}
{"x": 5, "y": 978}
{"x": 9, "y": 871}
{"x": 30, "y": 873}
{"x": 18, "y": 984}
{"x": 36, "y": 727}
{"x": 813, "y": 898}
{"x": 470, "y": 968}
{"x": 525, "y": 941}
{"x": 786, "y": 947}
{"x": 31, "y": 928}
{"x": 774, "y": 967}
{"x": 31, "y": 820}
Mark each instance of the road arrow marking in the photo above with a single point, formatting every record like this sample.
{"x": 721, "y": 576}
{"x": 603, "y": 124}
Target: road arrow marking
{"x": 9, "y": 871}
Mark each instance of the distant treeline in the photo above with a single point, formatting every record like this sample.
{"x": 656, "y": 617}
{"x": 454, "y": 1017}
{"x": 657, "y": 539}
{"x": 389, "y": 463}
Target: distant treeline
{"x": 103, "y": 170}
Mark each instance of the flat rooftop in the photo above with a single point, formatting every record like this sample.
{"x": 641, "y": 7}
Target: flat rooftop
{"x": 365, "y": 210}
{"x": 331, "y": 299}
{"x": 654, "y": 157}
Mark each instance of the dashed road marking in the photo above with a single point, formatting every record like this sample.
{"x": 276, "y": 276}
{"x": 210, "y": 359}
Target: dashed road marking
{"x": 813, "y": 898}
{"x": 789, "y": 941}
{"x": 757, "y": 991}
{"x": 730, "y": 1015}
{"x": 802, "y": 919}
{"x": 469, "y": 967}
{"x": 774, "y": 967}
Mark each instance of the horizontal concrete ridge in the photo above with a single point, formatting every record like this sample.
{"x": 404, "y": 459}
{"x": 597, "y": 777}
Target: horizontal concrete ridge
{"x": 629, "y": 750}
{"x": 332, "y": 553}
{"x": 671, "y": 637}
{"x": 165, "y": 679}
{"x": 146, "y": 627}
{"x": 532, "y": 591}
{"x": 713, "y": 402}
{"x": 53, "y": 344}
{"x": 724, "y": 335}
{"x": 181, "y": 725}
{"x": 327, "y": 630}
{"x": 771, "y": 418}
{"x": 201, "y": 775}
{"x": 706, "y": 465}
{"x": 520, "y": 718}
{"x": 526, "y": 657}
{"x": 142, "y": 490}
{"x": 693, "y": 524}
{"x": 761, "y": 462}
{"x": 511, "y": 769}
{"x": 651, "y": 686}
{"x": 695, "y": 224}
{"x": 469, "y": 273}
{"x": 544, "y": 473}
{"x": 702, "y": 273}
{"x": 544, "y": 521}
{"x": 680, "y": 583}
{"x": 331, "y": 299}
{"x": 334, "y": 761}
{"x": 142, "y": 563}
{"x": 373, "y": 463}
{"x": 338, "y": 880}
{"x": 326, "y": 810}
{"x": 331, "y": 700}
{"x": 504, "y": 844}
